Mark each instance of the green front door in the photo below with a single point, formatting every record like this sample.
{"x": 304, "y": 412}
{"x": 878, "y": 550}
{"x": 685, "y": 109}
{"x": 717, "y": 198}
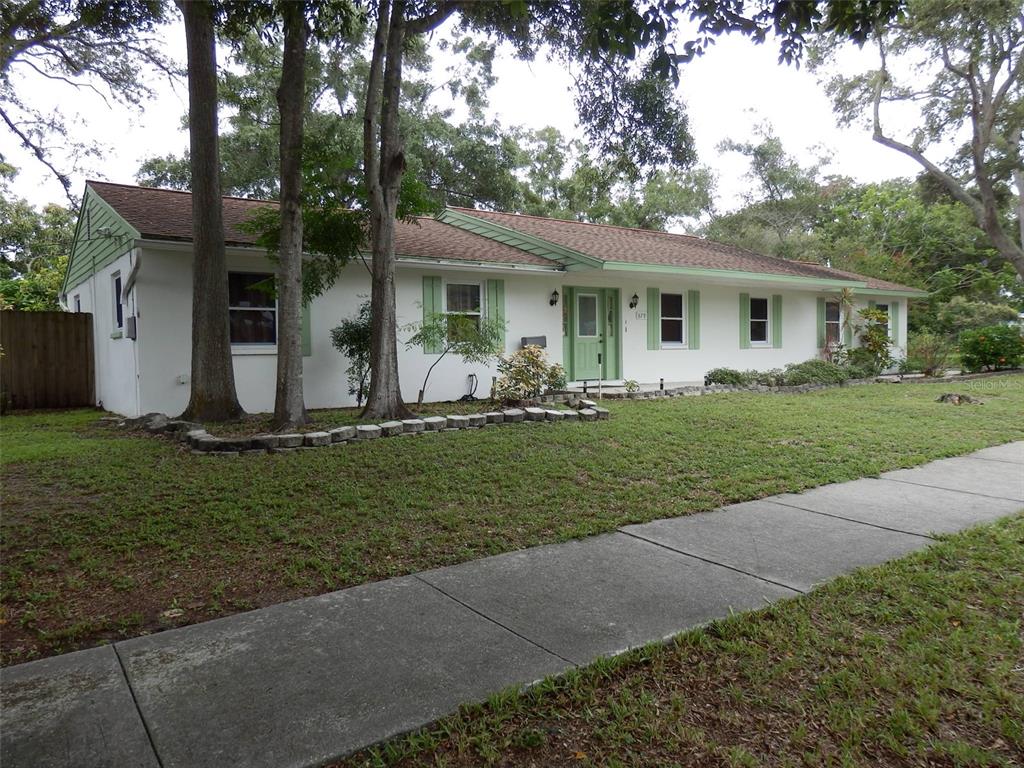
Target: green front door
{"x": 591, "y": 339}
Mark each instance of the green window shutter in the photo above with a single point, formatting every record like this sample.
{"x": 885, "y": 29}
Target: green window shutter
{"x": 777, "y": 321}
{"x": 693, "y": 319}
{"x": 821, "y": 323}
{"x": 894, "y": 323}
{"x": 431, "y": 306}
{"x": 653, "y": 318}
{"x": 307, "y": 332}
{"x": 744, "y": 321}
{"x": 496, "y": 305}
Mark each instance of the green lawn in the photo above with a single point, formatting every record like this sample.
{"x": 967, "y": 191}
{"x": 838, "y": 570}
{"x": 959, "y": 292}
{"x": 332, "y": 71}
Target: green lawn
{"x": 919, "y": 662}
{"x": 103, "y": 532}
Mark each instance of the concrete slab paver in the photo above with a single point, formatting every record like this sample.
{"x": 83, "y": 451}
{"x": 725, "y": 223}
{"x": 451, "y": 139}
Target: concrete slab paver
{"x": 602, "y": 595}
{"x": 1012, "y": 452}
{"x": 71, "y": 710}
{"x": 998, "y": 479}
{"x": 303, "y": 682}
{"x": 786, "y": 545}
{"x": 901, "y": 506}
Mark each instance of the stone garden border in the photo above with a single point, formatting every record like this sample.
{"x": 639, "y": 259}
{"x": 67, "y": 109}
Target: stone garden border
{"x": 203, "y": 443}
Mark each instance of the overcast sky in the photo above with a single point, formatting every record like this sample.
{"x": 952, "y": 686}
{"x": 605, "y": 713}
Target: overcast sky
{"x": 727, "y": 92}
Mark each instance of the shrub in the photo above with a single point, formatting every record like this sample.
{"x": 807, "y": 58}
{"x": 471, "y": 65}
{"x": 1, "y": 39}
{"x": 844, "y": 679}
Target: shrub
{"x": 992, "y": 348}
{"x": 960, "y": 314}
{"x": 352, "y": 339}
{"x": 857, "y": 371}
{"x": 815, "y": 372}
{"x": 556, "y": 377}
{"x": 727, "y": 376}
{"x": 776, "y": 377}
{"x": 928, "y": 353}
{"x": 474, "y": 342}
{"x": 875, "y": 350}
{"x": 524, "y": 374}
{"x": 631, "y": 385}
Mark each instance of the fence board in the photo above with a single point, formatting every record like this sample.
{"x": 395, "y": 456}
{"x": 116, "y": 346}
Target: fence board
{"x": 48, "y": 360}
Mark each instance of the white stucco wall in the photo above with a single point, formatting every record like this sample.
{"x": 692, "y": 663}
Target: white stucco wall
{"x": 116, "y": 379}
{"x": 163, "y": 296}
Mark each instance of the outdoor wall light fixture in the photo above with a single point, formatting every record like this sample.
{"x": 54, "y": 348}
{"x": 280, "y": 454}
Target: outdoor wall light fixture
{"x": 634, "y": 301}
{"x": 554, "y": 298}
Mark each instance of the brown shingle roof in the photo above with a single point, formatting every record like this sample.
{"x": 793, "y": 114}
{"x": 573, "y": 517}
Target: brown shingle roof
{"x": 166, "y": 214}
{"x": 642, "y": 246}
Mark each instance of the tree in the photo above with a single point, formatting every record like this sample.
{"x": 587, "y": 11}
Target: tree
{"x": 289, "y": 405}
{"x": 352, "y": 339}
{"x": 474, "y": 340}
{"x": 213, "y": 396}
{"x": 976, "y": 85}
{"x": 101, "y": 47}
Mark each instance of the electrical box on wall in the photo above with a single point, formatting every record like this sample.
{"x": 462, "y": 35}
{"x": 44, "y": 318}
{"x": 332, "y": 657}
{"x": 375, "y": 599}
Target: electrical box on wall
{"x": 130, "y": 327}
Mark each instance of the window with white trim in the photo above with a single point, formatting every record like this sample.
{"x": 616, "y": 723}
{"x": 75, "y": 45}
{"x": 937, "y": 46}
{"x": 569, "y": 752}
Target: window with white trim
{"x": 118, "y": 306}
{"x": 832, "y": 323}
{"x": 673, "y": 321}
{"x": 759, "y": 320}
{"x": 252, "y": 308}
{"x": 464, "y": 300}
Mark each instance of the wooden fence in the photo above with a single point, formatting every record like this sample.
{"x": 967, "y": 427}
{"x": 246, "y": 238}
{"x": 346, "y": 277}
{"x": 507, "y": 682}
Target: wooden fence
{"x": 47, "y": 360}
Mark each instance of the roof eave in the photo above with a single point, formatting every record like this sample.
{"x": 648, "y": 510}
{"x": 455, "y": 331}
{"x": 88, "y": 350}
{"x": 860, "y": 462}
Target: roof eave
{"x": 734, "y": 274}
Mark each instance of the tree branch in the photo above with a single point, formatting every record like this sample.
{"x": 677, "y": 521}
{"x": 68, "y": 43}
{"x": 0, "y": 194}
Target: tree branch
{"x": 36, "y": 150}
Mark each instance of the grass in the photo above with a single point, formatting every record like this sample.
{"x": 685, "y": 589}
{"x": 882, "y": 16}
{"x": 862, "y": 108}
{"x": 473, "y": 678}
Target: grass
{"x": 103, "y": 532}
{"x": 916, "y": 662}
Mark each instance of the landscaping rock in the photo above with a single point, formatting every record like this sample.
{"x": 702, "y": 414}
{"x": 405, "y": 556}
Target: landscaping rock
{"x": 435, "y": 423}
{"x": 316, "y": 439}
{"x": 157, "y": 423}
{"x": 477, "y": 419}
{"x": 554, "y": 415}
{"x": 958, "y": 399}
{"x": 367, "y": 431}
{"x": 495, "y": 417}
{"x": 391, "y": 428}
{"x": 588, "y": 414}
{"x": 514, "y": 414}
{"x": 180, "y": 427}
{"x": 233, "y": 444}
{"x": 205, "y": 443}
{"x": 411, "y": 426}
{"x": 535, "y": 414}
{"x": 194, "y": 434}
{"x": 458, "y": 422}
{"x": 570, "y": 415}
{"x": 341, "y": 434}
{"x": 267, "y": 441}
{"x": 602, "y": 413}
{"x": 588, "y": 403}
{"x": 289, "y": 441}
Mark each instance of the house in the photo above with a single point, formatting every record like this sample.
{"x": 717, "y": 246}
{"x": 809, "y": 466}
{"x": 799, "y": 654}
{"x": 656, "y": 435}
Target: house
{"x": 610, "y": 303}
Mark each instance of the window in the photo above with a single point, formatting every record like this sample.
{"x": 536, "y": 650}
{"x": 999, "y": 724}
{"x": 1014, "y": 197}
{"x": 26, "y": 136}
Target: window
{"x": 463, "y": 299}
{"x": 884, "y": 308}
{"x": 586, "y": 315}
{"x": 118, "y": 306}
{"x": 78, "y": 302}
{"x": 758, "y": 321}
{"x": 672, "y": 319}
{"x": 252, "y": 308}
{"x": 831, "y": 323}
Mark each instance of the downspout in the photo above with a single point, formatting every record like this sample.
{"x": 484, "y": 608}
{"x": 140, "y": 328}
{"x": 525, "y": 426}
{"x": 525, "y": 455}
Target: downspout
{"x": 129, "y": 283}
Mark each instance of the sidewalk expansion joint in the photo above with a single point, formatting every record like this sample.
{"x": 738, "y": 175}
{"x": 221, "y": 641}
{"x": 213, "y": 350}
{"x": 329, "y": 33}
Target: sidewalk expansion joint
{"x": 712, "y": 562}
{"x": 954, "y": 490}
{"x": 848, "y": 519}
{"x": 494, "y": 621}
{"x": 989, "y": 458}
{"x": 138, "y": 709}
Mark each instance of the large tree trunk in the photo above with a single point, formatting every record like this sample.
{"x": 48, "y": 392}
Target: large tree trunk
{"x": 384, "y": 161}
{"x": 289, "y": 406}
{"x": 213, "y": 396}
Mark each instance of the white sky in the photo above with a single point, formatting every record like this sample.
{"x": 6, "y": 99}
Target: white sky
{"x": 728, "y": 91}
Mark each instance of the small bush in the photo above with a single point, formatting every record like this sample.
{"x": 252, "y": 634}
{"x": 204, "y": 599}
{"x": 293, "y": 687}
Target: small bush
{"x": 856, "y": 371}
{"x": 524, "y": 375}
{"x": 928, "y": 353}
{"x": 556, "y": 378}
{"x": 728, "y": 376}
{"x": 814, "y": 372}
{"x": 875, "y": 350}
{"x": 776, "y": 377}
{"x": 631, "y": 385}
{"x": 991, "y": 348}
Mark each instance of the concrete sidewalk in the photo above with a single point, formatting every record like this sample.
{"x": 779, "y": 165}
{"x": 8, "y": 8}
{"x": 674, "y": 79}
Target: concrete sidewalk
{"x": 304, "y": 682}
